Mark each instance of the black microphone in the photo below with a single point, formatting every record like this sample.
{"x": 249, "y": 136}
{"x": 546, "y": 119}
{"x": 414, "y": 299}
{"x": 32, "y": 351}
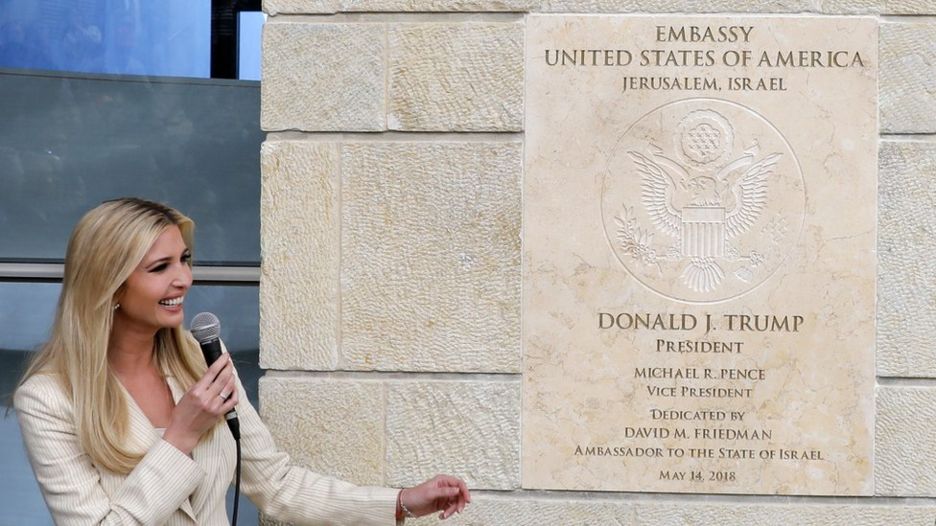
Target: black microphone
{"x": 206, "y": 328}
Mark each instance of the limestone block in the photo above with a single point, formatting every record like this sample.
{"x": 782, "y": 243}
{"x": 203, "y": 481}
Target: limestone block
{"x": 849, "y": 7}
{"x": 909, "y": 7}
{"x": 908, "y": 82}
{"x": 905, "y": 445}
{"x": 887, "y": 7}
{"x": 467, "y": 429}
{"x": 456, "y": 77}
{"x": 298, "y": 240}
{"x": 875, "y": 7}
{"x": 671, "y": 6}
{"x": 437, "y": 5}
{"x": 430, "y": 245}
{"x": 323, "y": 6}
{"x": 517, "y": 509}
{"x": 906, "y": 333}
{"x": 801, "y": 514}
{"x": 323, "y": 77}
{"x": 333, "y": 427}
{"x": 266, "y": 521}
{"x": 275, "y": 7}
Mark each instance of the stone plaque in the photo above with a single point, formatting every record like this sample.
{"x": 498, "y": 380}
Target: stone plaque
{"x": 699, "y": 213}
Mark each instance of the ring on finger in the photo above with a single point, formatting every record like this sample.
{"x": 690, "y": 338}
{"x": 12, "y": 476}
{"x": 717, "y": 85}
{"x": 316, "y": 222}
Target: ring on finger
{"x": 224, "y": 396}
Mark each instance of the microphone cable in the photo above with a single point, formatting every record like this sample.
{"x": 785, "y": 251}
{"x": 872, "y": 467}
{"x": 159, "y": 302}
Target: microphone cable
{"x": 237, "y": 468}
{"x": 234, "y": 425}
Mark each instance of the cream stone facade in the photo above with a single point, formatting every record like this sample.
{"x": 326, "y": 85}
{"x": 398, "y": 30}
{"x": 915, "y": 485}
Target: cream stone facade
{"x": 392, "y": 209}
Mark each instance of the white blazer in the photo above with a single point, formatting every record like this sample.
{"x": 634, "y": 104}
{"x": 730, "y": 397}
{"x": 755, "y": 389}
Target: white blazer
{"x": 169, "y": 487}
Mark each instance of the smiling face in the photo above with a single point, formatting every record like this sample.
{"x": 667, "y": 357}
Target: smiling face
{"x": 152, "y": 296}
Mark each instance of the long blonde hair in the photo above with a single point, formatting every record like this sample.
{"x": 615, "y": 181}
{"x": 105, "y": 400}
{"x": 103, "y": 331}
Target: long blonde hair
{"x": 104, "y": 249}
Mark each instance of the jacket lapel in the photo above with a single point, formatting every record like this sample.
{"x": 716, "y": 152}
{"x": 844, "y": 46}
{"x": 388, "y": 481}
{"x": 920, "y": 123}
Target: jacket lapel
{"x": 143, "y": 435}
{"x": 216, "y": 458}
{"x": 177, "y": 393}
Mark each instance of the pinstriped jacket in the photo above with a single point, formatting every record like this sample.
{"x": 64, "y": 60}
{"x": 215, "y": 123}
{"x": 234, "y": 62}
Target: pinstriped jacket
{"x": 169, "y": 487}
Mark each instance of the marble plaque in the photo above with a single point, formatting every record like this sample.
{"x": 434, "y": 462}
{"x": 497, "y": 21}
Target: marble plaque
{"x": 699, "y": 213}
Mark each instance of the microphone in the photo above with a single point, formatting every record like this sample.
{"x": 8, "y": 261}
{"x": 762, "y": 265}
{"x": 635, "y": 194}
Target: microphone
{"x": 206, "y": 328}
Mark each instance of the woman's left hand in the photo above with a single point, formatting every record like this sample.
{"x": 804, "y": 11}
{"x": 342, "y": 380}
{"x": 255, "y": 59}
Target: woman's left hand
{"x": 440, "y": 493}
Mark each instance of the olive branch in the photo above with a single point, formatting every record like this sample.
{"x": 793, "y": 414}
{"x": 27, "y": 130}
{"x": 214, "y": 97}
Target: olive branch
{"x": 634, "y": 240}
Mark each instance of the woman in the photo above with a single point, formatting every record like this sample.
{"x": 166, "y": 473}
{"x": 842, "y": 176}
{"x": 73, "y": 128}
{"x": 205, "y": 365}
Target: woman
{"x": 122, "y": 419}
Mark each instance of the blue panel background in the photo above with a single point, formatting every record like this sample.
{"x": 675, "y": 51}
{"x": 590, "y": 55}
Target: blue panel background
{"x": 165, "y": 37}
{"x": 68, "y": 143}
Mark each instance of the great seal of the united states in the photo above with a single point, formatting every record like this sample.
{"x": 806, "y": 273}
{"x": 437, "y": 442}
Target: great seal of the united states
{"x": 702, "y": 200}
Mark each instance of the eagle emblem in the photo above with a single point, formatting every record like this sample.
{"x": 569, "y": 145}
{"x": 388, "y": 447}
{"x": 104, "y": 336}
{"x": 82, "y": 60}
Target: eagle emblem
{"x": 704, "y": 211}
{"x": 703, "y": 199}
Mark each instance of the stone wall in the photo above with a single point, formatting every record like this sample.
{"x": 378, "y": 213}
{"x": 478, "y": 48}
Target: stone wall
{"x": 390, "y": 287}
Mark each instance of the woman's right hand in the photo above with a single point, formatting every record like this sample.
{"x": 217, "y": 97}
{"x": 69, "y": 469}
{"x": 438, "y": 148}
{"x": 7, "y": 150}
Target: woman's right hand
{"x": 200, "y": 407}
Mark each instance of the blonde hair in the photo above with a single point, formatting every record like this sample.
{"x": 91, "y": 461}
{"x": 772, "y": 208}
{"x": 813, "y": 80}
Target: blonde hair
{"x": 104, "y": 249}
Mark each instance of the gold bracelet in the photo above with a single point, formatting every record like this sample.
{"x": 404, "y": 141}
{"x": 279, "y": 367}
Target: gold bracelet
{"x": 406, "y": 511}
{"x": 397, "y": 512}
{"x": 402, "y": 512}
